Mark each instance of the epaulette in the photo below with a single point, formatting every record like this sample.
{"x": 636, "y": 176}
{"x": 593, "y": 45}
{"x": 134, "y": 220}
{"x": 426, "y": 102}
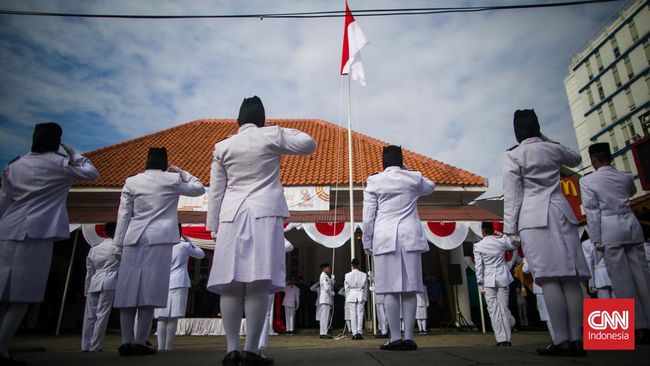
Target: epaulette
{"x": 15, "y": 159}
{"x": 586, "y": 174}
{"x": 374, "y": 173}
{"x": 61, "y": 154}
{"x": 225, "y": 138}
{"x": 512, "y": 148}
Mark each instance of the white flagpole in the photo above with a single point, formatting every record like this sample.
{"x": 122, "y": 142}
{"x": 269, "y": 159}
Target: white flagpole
{"x": 352, "y": 251}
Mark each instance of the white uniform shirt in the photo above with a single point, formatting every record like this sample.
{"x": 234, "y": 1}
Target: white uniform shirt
{"x": 596, "y": 263}
{"x": 148, "y": 207}
{"x": 390, "y": 211}
{"x": 291, "y": 297}
{"x": 531, "y": 181}
{"x": 101, "y": 268}
{"x": 356, "y": 286}
{"x": 34, "y": 192}
{"x": 181, "y": 253}
{"x": 606, "y": 199}
{"x": 256, "y": 152}
{"x": 490, "y": 263}
{"x": 326, "y": 290}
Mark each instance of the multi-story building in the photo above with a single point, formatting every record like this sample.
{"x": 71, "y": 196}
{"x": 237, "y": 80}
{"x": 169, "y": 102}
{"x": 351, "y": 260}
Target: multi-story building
{"x": 608, "y": 86}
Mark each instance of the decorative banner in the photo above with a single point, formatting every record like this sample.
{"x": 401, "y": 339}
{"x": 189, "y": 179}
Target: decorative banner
{"x": 93, "y": 233}
{"x": 445, "y": 235}
{"x": 330, "y": 235}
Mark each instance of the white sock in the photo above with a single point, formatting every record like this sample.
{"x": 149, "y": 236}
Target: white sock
{"x": 161, "y": 330}
{"x": 11, "y": 319}
{"x": 409, "y": 305}
{"x": 172, "y": 324}
{"x": 127, "y": 321}
{"x": 143, "y": 327}
{"x": 256, "y": 305}
{"x": 232, "y": 311}
{"x": 391, "y": 307}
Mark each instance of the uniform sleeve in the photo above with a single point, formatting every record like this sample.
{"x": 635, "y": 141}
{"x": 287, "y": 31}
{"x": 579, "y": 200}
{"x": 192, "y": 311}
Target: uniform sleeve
{"x": 513, "y": 193}
{"x": 369, "y": 215}
{"x": 294, "y": 142}
{"x": 478, "y": 265}
{"x": 90, "y": 271}
{"x": 6, "y": 192}
{"x": 570, "y": 158}
{"x": 217, "y": 189}
{"x": 346, "y": 284}
{"x": 81, "y": 168}
{"x": 195, "y": 251}
{"x": 426, "y": 187}
{"x": 190, "y": 185}
{"x": 365, "y": 289}
{"x": 590, "y": 257}
{"x": 507, "y": 243}
{"x": 124, "y": 214}
{"x": 592, "y": 210}
{"x": 325, "y": 285}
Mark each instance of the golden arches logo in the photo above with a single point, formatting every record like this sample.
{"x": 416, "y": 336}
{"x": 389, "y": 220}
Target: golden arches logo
{"x": 569, "y": 188}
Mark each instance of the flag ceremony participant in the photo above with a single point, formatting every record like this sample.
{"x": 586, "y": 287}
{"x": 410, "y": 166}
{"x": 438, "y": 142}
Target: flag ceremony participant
{"x": 536, "y": 210}
{"x": 356, "y": 294}
{"x": 291, "y": 303}
{"x": 147, "y": 229}
{"x": 393, "y": 235}
{"x": 33, "y": 215}
{"x": 421, "y": 312}
{"x": 179, "y": 285}
{"x": 614, "y": 230}
{"x": 325, "y": 300}
{"x": 599, "y": 283}
{"x": 246, "y": 209}
{"x": 493, "y": 278}
{"x": 101, "y": 279}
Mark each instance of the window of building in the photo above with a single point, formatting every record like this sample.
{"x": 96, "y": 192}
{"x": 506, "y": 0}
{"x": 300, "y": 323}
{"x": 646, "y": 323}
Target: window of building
{"x": 626, "y": 131}
{"x": 630, "y": 99}
{"x": 612, "y": 141}
{"x": 590, "y": 73}
{"x": 626, "y": 163}
{"x": 647, "y": 82}
{"x": 599, "y": 87}
{"x": 599, "y": 62}
{"x": 590, "y": 97}
{"x": 628, "y": 67}
{"x": 633, "y": 32}
{"x": 617, "y": 52}
{"x": 646, "y": 48}
{"x": 601, "y": 118}
{"x": 617, "y": 77}
{"x": 612, "y": 110}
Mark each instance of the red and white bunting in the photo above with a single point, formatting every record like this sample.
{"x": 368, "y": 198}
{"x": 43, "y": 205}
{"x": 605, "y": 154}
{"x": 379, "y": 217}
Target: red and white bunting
{"x": 328, "y": 234}
{"x": 445, "y": 235}
{"x": 93, "y": 233}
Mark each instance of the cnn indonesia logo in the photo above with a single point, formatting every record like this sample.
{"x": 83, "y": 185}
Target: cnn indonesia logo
{"x": 608, "y": 324}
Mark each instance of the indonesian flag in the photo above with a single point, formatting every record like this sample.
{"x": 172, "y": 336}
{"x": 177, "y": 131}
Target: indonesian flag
{"x": 353, "y": 41}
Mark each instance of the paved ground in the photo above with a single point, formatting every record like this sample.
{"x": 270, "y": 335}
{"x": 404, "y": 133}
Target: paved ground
{"x": 439, "y": 348}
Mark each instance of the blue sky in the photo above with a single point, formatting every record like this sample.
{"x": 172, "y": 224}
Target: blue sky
{"x": 445, "y": 86}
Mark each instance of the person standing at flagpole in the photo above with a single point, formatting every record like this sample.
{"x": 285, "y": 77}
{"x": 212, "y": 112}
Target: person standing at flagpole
{"x": 246, "y": 210}
{"x": 291, "y": 303}
{"x": 356, "y": 294}
{"x": 147, "y": 229}
{"x": 393, "y": 235}
{"x": 32, "y": 216}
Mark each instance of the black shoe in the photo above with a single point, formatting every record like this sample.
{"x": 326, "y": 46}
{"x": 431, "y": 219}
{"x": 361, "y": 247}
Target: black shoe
{"x": 409, "y": 345}
{"x": 255, "y": 359}
{"x": 125, "y": 350}
{"x": 642, "y": 336}
{"x": 142, "y": 350}
{"x": 325, "y": 337}
{"x": 506, "y": 344}
{"x": 359, "y": 337}
{"x": 562, "y": 349}
{"x": 381, "y": 335}
{"x": 577, "y": 350}
{"x": 397, "y": 345}
{"x": 232, "y": 359}
{"x": 10, "y": 361}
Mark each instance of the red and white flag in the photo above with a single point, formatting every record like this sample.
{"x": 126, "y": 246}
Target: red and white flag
{"x": 353, "y": 41}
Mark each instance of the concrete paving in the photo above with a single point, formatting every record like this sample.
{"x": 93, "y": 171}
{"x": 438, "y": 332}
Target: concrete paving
{"x": 438, "y": 348}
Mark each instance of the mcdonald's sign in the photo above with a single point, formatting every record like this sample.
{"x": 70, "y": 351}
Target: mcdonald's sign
{"x": 571, "y": 191}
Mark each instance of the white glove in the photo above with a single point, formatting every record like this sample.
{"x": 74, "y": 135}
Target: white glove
{"x": 118, "y": 252}
{"x": 515, "y": 240}
{"x": 368, "y": 251}
{"x": 481, "y": 289}
{"x": 72, "y": 153}
{"x": 180, "y": 172}
{"x": 213, "y": 235}
{"x": 599, "y": 247}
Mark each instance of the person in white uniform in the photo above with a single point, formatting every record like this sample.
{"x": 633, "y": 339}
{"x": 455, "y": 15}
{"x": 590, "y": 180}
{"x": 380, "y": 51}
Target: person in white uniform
{"x": 541, "y": 305}
{"x": 421, "y": 312}
{"x": 147, "y": 229}
{"x": 536, "y": 210}
{"x": 101, "y": 280}
{"x": 291, "y": 303}
{"x": 325, "y": 300}
{"x": 246, "y": 209}
{"x": 356, "y": 294}
{"x": 615, "y": 230}
{"x": 32, "y": 216}
{"x": 493, "y": 278}
{"x": 179, "y": 285}
{"x": 599, "y": 282}
{"x": 381, "y": 316}
{"x": 393, "y": 235}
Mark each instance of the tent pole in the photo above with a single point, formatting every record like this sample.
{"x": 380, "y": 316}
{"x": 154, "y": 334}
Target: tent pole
{"x": 67, "y": 281}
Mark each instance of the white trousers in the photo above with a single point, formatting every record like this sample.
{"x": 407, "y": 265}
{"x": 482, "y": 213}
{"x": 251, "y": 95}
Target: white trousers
{"x": 381, "y": 319}
{"x": 267, "y": 330}
{"x": 626, "y": 266}
{"x": 357, "y": 310}
{"x": 96, "y": 314}
{"x": 605, "y": 293}
{"x": 497, "y": 304}
{"x": 290, "y": 316}
{"x": 324, "y": 318}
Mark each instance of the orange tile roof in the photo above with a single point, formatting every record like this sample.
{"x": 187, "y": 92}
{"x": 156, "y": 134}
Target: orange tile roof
{"x": 190, "y": 146}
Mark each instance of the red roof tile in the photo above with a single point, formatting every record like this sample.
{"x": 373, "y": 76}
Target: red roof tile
{"x": 190, "y": 146}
